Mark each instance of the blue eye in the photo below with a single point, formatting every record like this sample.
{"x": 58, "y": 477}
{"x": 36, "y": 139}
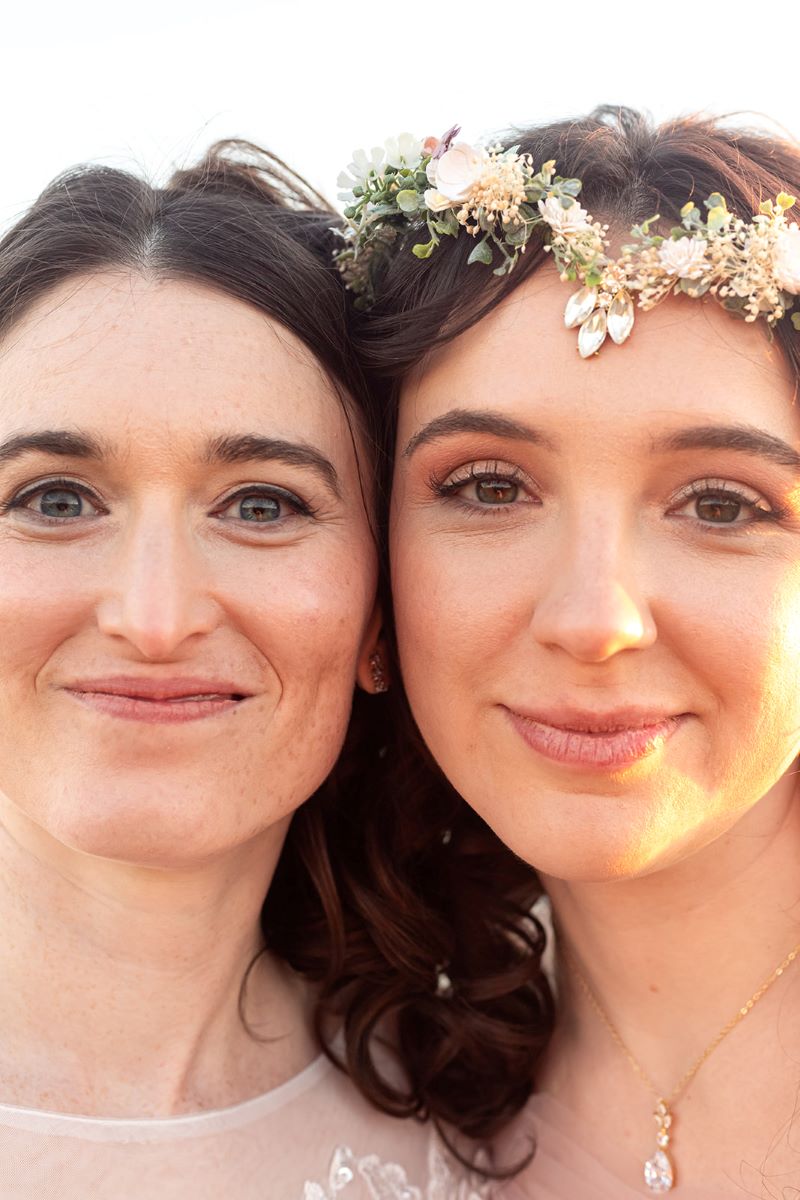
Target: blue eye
{"x": 263, "y": 506}
{"x": 259, "y": 508}
{"x": 60, "y": 503}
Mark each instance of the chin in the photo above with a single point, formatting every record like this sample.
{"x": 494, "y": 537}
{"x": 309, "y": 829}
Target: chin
{"x": 591, "y": 839}
{"x": 180, "y": 824}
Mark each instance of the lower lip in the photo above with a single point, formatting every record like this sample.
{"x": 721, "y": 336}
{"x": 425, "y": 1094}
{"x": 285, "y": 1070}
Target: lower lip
{"x": 154, "y": 712}
{"x": 594, "y": 751}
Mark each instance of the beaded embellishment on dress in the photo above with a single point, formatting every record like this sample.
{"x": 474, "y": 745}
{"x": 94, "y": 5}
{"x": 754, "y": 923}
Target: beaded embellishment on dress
{"x": 389, "y": 1181}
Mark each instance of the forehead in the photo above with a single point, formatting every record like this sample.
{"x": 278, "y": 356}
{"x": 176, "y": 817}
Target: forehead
{"x": 684, "y": 360}
{"x": 124, "y": 354}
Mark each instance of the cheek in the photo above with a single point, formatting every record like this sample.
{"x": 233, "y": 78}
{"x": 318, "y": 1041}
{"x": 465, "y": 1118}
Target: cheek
{"x": 43, "y": 604}
{"x": 461, "y": 612}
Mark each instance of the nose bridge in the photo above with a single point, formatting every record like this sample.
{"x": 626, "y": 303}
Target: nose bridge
{"x": 156, "y": 598}
{"x": 594, "y": 605}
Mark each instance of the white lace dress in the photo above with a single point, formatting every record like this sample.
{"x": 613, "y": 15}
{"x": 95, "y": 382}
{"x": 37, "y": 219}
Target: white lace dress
{"x": 313, "y": 1138}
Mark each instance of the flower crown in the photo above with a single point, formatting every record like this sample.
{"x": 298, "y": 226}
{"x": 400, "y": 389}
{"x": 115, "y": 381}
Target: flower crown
{"x": 496, "y": 196}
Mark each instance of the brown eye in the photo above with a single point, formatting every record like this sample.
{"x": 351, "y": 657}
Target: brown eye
{"x": 718, "y": 509}
{"x": 496, "y": 491}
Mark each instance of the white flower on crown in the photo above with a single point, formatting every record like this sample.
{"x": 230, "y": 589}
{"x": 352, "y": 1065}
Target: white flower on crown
{"x": 684, "y": 258}
{"x": 436, "y": 202}
{"x": 454, "y": 174}
{"x": 403, "y": 151}
{"x": 564, "y": 220}
{"x": 359, "y": 169}
{"x": 786, "y": 259}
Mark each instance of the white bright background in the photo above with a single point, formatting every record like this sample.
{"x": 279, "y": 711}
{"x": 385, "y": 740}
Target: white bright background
{"x": 148, "y": 85}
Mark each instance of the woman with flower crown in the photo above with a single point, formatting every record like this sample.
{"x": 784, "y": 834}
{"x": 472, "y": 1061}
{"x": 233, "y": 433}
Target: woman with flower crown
{"x": 590, "y": 346}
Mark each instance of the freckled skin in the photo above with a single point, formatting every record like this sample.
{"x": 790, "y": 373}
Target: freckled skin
{"x": 158, "y": 583}
{"x": 602, "y": 591}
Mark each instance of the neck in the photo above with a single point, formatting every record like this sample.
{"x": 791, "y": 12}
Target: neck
{"x": 121, "y": 985}
{"x": 672, "y": 956}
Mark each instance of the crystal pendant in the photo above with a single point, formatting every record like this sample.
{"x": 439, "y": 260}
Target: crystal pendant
{"x": 592, "y": 334}
{"x": 658, "y": 1173}
{"x": 620, "y": 317}
{"x": 579, "y": 306}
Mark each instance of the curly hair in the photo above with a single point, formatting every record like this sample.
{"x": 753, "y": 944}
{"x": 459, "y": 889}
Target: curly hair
{"x": 471, "y": 896}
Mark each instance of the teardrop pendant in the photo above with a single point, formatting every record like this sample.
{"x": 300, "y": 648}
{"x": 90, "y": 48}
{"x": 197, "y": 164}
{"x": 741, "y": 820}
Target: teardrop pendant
{"x": 659, "y": 1173}
{"x": 579, "y": 306}
{"x": 592, "y": 334}
{"x": 620, "y": 317}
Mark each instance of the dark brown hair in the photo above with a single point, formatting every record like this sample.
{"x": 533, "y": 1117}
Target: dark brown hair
{"x": 631, "y": 170}
{"x": 386, "y": 878}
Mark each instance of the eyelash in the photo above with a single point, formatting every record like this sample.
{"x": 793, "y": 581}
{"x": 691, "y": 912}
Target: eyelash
{"x": 720, "y": 488}
{"x": 481, "y": 472}
{"x": 21, "y": 499}
{"x": 487, "y": 472}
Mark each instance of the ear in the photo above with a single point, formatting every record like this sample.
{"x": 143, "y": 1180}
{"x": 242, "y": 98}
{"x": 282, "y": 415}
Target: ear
{"x": 373, "y": 661}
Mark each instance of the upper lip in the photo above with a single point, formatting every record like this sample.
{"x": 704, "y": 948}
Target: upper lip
{"x": 586, "y": 721}
{"x": 175, "y": 688}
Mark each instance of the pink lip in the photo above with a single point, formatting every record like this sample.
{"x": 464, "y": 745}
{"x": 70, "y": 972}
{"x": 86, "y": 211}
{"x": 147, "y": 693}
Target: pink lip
{"x": 158, "y": 701}
{"x": 595, "y": 741}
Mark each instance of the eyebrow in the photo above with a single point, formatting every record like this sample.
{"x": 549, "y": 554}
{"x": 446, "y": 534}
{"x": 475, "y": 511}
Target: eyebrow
{"x": 226, "y": 448}
{"x": 65, "y": 443}
{"x": 463, "y": 420}
{"x": 252, "y": 447}
{"x": 745, "y": 439}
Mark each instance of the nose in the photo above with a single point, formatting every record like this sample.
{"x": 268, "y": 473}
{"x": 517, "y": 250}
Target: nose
{"x": 158, "y": 596}
{"x": 592, "y": 606}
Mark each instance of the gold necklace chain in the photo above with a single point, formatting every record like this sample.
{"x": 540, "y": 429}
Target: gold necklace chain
{"x": 659, "y": 1171}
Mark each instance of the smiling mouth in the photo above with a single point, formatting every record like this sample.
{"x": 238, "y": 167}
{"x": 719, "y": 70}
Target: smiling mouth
{"x": 160, "y": 707}
{"x": 597, "y": 744}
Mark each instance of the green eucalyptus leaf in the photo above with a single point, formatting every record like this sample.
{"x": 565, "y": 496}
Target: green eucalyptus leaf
{"x": 447, "y": 223}
{"x": 572, "y": 187}
{"x": 717, "y": 218}
{"x": 424, "y": 249}
{"x": 515, "y": 235}
{"x": 715, "y": 201}
{"x": 407, "y": 200}
{"x": 481, "y": 253}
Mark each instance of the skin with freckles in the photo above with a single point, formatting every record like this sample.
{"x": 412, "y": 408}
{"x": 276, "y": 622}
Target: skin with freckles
{"x": 596, "y": 577}
{"x": 578, "y": 562}
{"x": 179, "y": 483}
{"x": 158, "y": 574}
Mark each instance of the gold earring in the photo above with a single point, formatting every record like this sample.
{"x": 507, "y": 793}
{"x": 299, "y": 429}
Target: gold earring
{"x": 379, "y": 681}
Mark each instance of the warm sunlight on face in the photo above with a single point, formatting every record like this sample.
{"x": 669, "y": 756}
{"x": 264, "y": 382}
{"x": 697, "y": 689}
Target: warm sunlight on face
{"x": 597, "y": 578}
{"x": 178, "y": 488}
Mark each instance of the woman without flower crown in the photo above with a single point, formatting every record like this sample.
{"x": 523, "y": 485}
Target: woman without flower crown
{"x": 187, "y": 589}
{"x": 596, "y": 577}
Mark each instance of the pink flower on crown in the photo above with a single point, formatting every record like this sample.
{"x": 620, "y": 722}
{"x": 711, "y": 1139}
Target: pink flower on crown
{"x": 456, "y": 171}
{"x": 786, "y": 259}
{"x": 684, "y": 258}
